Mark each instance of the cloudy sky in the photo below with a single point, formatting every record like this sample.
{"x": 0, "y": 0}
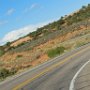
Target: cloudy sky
{"x": 19, "y": 17}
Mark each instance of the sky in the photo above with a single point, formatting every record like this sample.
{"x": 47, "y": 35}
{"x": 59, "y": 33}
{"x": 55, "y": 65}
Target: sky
{"x": 20, "y": 17}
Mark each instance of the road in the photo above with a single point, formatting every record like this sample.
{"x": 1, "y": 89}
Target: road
{"x": 56, "y": 74}
{"x": 83, "y": 79}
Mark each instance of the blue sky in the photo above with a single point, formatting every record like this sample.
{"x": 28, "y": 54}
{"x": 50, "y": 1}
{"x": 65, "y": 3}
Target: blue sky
{"x": 19, "y": 17}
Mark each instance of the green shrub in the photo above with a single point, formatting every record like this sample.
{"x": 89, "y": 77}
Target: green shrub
{"x": 1, "y": 50}
{"x": 57, "y": 51}
{"x": 4, "y": 73}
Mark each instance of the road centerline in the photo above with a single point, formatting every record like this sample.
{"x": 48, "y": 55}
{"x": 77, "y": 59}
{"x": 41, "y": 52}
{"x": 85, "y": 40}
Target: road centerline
{"x": 48, "y": 69}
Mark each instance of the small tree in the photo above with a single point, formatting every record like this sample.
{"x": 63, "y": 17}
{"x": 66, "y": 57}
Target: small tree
{"x": 8, "y": 44}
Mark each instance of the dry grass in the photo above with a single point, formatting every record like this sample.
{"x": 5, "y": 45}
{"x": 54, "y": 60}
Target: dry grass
{"x": 38, "y": 54}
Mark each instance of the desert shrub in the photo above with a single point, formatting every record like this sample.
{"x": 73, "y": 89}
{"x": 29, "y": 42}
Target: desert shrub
{"x": 12, "y": 71}
{"x": 38, "y": 56}
{"x": 79, "y": 44}
{"x": 57, "y": 51}
{"x": 4, "y": 73}
{"x": 1, "y": 51}
{"x": 19, "y": 56}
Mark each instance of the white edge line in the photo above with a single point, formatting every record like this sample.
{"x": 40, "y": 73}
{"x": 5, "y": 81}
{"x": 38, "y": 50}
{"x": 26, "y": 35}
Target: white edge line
{"x": 74, "y": 78}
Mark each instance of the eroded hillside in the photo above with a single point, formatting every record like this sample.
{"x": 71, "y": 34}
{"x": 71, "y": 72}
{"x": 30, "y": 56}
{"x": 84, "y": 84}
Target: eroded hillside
{"x": 68, "y": 33}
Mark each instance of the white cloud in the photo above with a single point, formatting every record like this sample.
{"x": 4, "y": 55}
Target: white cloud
{"x": 15, "y": 34}
{"x": 34, "y": 5}
{"x": 31, "y": 7}
{"x": 10, "y": 11}
{"x": 3, "y": 22}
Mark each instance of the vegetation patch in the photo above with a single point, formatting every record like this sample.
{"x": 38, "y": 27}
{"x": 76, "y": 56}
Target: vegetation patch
{"x": 5, "y": 73}
{"x": 57, "y": 51}
{"x": 19, "y": 56}
{"x": 79, "y": 44}
{"x": 1, "y": 51}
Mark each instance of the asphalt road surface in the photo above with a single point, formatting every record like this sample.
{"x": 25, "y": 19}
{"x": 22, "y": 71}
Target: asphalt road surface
{"x": 70, "y": 71}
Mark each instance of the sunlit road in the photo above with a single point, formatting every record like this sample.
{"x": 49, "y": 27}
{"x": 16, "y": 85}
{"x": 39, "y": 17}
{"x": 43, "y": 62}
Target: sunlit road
{"x": 56, "y": 74}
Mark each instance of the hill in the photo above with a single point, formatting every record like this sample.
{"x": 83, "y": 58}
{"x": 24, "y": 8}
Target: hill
{"x": 78, "y": 16}
{"x": 81, "y": 15}
{"x": 58, "y": 37}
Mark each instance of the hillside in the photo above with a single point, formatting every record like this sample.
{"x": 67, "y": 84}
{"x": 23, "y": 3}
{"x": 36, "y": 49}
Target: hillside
{"x": 81, "y": 15}
{"x": 56, "y": 38}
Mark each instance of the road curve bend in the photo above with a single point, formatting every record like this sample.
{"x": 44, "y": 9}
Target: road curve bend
{"x": 56, "y": 74}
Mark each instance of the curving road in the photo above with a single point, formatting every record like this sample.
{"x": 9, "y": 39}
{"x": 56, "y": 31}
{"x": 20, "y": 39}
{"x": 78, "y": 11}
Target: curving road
{"x": 56, "y": 74}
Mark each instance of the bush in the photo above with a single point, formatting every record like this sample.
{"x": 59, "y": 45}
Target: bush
{"x": 13, "y": 71}
{"x": 4, "y": 73}
{"x": 79, "y": 44}
{"x": 19, "y": 56}
{"x": 54, "y": 52}
{"x": 1, "y": 51}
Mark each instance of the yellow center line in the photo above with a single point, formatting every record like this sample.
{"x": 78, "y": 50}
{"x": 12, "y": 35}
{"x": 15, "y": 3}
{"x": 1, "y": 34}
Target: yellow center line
{"x": 48, "y": 69}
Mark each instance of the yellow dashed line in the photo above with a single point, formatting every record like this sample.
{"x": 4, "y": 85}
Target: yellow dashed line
{"x": 48, "y": 69}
